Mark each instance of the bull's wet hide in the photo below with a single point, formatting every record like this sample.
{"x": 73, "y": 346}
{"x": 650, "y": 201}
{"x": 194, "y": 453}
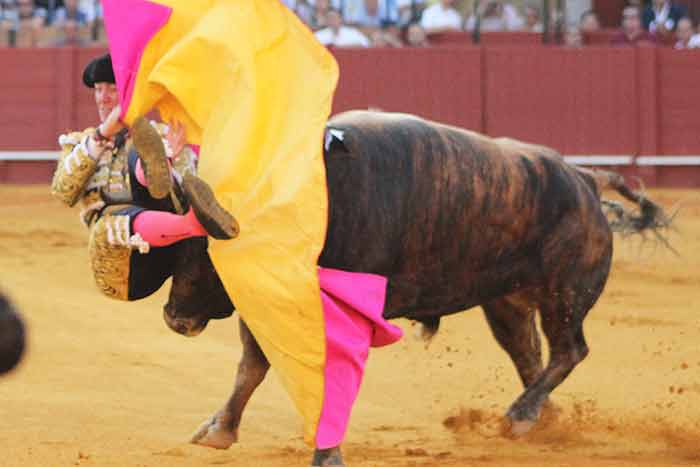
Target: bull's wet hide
{"x": 452, "y": 218}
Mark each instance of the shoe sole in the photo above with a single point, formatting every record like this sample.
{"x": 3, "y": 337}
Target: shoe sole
{"x": 149, "y": 146}
{"x": 216, "y": 220}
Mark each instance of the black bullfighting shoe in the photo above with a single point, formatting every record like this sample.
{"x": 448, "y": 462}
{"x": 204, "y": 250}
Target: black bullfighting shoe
{"x": 216, "y": 220}
{"x": 149, "y": 146}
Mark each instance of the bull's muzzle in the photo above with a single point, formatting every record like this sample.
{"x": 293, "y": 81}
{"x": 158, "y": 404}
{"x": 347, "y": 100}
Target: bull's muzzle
{"x": 189, "y": 327}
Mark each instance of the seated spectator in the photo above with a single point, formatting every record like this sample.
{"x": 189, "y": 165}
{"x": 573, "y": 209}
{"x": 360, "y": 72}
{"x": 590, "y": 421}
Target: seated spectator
{"x": 70, "y": 34}
{"x": 370, "y": 15}
{"x": 416, "y": 36}
{"x": 632, "y": 32}
{"x": 685, "y": 37}
{"x": 496, "y": 15}
{"x": 441, "y": 17}
{"x": 339, "y": 35}
{"x": 661, "y": 17}
{"x": 26, "y": 26}
{"x": 533, "y": 21}
{"x": 319, "y": 16}
{"x": 409, "y": 11}
{"x": 70, "y": 10}
{"x": 302, "y": 8}
{"x": 46, "y": 8}
{"x": 588, "y": 24}
{"x": 386, "y": 37}
{"x": 513, "y": 19}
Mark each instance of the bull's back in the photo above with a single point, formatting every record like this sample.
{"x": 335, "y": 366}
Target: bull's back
{"x": 451, "y": 217}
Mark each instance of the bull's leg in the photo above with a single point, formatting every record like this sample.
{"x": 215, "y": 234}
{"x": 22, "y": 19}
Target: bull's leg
{"x": 327, "y": 458}
{"x": 515, "y": 330}
{"x": 221, "y": 430}
{"x": 562, "y": 325}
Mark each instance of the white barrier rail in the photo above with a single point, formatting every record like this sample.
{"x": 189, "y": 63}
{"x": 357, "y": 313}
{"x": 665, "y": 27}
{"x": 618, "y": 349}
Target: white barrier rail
{"x": 597, "y": 160}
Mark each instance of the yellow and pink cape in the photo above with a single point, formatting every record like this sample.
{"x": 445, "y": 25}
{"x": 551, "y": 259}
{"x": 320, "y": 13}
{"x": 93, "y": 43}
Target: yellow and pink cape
{"x": 254, "y": 89}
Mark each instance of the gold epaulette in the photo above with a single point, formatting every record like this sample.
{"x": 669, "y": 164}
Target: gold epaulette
{"x": 74, "y": 167}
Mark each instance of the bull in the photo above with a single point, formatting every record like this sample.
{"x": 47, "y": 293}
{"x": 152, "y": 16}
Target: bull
{"x": 454, "y": 220}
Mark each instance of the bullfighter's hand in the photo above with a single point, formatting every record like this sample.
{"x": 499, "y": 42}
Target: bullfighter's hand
{"x": 112, "y": 124}
{"x": 176, "y": 137}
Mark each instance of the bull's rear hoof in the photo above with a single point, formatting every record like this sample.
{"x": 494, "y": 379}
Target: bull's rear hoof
{"x": 327, "y": 458}
{"x": 517, "y": 428}
{"x": 213, "y": 435}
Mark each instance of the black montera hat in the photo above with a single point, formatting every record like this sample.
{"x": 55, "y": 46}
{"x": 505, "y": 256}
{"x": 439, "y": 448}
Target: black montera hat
{"x": 99, "y": 71}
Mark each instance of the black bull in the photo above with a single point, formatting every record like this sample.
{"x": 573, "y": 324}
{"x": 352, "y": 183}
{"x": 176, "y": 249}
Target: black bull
{"x": 454, "y": 220}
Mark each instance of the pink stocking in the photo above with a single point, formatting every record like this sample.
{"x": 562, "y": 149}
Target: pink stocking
{"x": 161, "y": 228}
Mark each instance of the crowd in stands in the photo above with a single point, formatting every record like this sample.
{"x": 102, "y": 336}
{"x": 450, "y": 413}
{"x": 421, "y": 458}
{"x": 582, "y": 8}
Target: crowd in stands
{"x": 396, "y": 23}
{"x": 373, "y": 23}
{"x": 51, "y": 23}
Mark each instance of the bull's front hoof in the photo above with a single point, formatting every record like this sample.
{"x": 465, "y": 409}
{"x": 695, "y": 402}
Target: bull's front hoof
{"x": 327, "y": 458}
{"x": 212, "y": 434}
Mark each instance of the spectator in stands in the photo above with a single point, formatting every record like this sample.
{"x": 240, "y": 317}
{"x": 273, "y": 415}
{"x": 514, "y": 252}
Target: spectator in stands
{"x": 319, "y": 17}
{"x": 496, "y": 15}
{"x": 632, "y": 32}
{"x": 386, "y": 37}
{"x": 8, "y": 16}
{"x": 661, "y": 17}
{"x": 70, "y": 11}
{"x": 92, "y": 9}
{"x": 27, "y": 26}
{"x": 47, "y": 8}
{"x": 533, "y": 21}
{"x": 409, "y": 11}
{"x": 685, "y": 39}
{"x": 441, "y": 17}
{"x": 339, "y": 35}
{"x": 588, "y": 24}
{"x": 69, "y": 35}
{"x": 302, "y": 8}
{"x": 370, "y": 15}
{"x": 416, "y": 36}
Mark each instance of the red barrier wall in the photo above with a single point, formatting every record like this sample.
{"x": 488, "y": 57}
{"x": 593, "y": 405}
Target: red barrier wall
{"x": 593, "y": 100}
{"x": 442, "y": 83}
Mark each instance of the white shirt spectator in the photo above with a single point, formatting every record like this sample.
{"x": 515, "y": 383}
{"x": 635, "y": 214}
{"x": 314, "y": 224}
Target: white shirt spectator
{"x": 513, "y": 19}
{"x": 345, "y": 36}
{"x": 409, "y": 10}
{"x": 92, "y": 9}
{"x": 356, "y": 12}
{"x": 437, "y": 17}
{"x": 303, "y": 9}
{"x": 505, "y": 19}
{"x": 694, "y": 42}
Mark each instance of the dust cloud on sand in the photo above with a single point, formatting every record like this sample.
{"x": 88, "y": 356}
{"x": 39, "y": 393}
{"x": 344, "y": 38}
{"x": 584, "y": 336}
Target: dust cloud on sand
{"x": 107, "y": 384}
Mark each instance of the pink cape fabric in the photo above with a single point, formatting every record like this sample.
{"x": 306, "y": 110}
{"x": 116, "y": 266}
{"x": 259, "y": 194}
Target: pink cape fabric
{"x": 130, "y": 25}
{"x": 352, "y": 307}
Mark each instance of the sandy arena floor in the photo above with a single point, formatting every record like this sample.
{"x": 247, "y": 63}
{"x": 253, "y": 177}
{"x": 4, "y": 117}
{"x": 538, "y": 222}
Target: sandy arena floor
{"x": 107, "y": 384}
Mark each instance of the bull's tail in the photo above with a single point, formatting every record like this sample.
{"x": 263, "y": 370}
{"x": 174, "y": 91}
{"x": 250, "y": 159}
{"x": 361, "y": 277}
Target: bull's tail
{"x": 647, "y": 217}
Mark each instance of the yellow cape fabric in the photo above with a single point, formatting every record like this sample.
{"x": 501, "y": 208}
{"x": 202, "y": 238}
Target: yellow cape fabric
{"x": 254, "y": 88}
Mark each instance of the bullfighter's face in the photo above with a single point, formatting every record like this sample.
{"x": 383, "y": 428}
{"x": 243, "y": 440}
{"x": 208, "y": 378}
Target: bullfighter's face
{"x": 106, "y": 98}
